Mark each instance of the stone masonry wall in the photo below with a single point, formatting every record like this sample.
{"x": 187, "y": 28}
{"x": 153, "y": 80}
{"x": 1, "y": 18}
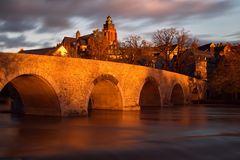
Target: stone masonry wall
{"x": 73, "y": 79}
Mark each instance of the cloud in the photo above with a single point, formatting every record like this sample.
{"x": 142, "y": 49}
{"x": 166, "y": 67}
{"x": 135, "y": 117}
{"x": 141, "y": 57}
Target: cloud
{"x": 203, "y": 36}
{"x": 21, "y": 14}
{"x": 15, "y": 42}
{"x": 53, "y": 16}
{"x": 16, "y": 26}
{"x": 235, "y": 35}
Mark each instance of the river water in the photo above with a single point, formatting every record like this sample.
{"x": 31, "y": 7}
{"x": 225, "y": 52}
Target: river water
{"x": 182, "y": 133}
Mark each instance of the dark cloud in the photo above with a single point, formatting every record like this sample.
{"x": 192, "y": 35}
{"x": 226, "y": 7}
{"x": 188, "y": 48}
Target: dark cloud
{"x": 56, "y": 13}
{"x": 7, "y": 42}
{"x": 235, "y": 35}
{"x": 131, "y": 27}
{"x": 52, "y": 16}
{"x": 17, "y": 26}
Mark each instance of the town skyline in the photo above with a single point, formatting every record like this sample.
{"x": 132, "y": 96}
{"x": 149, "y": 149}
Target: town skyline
{"x": 30, "y": 24}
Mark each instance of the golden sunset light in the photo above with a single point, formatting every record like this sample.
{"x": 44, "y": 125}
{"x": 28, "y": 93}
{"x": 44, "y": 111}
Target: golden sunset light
{"x": 119, "y": 80}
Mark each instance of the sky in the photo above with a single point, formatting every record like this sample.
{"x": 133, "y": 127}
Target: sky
{"x": 31, "y": 24}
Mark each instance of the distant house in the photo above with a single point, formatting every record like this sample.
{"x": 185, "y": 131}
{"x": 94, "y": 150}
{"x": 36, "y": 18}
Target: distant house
{"x": 199, "y": 62}
{"x": 174, "y": 51}
{"x": 207, "y": 57}
{"x": 207, "y": 48}
{"x": 59, "y": 50}
{"x": 78, "y": 44}
{"x": 213, "y": 49}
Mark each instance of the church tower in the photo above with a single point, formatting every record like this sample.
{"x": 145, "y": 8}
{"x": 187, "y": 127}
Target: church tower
{"x": 109, "y": 31}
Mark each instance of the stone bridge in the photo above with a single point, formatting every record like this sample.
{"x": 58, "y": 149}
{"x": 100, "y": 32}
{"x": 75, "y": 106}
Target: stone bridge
{"x": 58, "y": 86}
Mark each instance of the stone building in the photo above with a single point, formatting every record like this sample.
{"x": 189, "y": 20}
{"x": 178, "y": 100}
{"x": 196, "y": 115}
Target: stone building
{"x": 59, "y": 50}
{"x": 199, "y": 61}
{"x": 79, "y": 46}
{"x": 207, "y": 57}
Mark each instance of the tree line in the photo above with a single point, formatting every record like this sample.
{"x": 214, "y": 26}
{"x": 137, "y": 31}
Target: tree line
{"x": 135, "y": 50}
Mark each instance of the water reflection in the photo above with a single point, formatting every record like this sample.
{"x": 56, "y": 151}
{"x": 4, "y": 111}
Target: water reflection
{"x": 183, "y": 115}
{"x": 136, "y": 133}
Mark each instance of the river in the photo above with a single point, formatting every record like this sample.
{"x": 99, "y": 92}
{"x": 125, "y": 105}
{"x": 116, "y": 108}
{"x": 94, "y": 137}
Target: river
{"x": 183, "y": 133}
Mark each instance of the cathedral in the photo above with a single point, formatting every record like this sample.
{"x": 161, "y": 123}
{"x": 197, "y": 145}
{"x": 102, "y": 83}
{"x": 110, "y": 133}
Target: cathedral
{"x": 83, "y": 45}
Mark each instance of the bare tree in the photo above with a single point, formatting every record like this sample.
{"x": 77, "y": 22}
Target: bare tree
{"x": 166, "y": 40}
{"x": 147, "y": 53}
{"x": 134, "y": 49}
{"x": 183, "y": 43}
{"x": 186, "y": 60}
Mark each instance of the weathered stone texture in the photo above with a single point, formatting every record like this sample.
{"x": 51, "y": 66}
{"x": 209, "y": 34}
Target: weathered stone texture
{"x": 73, "y": 79}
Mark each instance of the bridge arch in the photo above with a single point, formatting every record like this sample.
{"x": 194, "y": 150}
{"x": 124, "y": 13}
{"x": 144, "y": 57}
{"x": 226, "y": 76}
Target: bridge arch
{"x": 177, "y": 95}
{"x": 150, "y": 96}
{"x": 105, "y": 93}
{"x": 32, "y": 95}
